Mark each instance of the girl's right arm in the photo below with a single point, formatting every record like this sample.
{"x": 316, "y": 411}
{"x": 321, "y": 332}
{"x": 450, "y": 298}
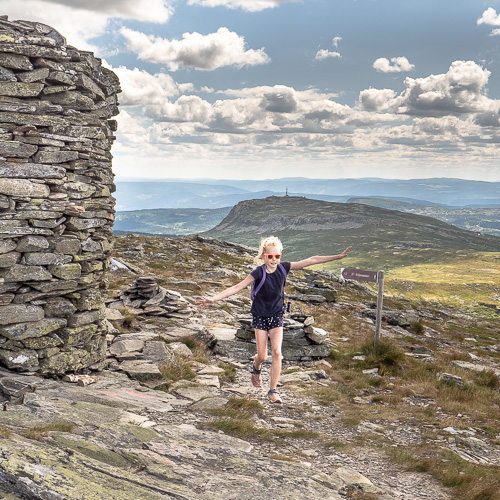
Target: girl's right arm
{"x": 208, "y": 301}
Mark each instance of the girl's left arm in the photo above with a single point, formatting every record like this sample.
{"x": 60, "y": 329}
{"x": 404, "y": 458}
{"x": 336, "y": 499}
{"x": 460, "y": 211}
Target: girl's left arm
{"x": 318, "y": 259}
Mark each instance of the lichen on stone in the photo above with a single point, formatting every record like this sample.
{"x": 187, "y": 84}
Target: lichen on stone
{"x": 56, "y": 208}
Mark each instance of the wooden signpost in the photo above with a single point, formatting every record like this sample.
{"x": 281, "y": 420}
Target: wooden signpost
{"x": 374, "y": 277}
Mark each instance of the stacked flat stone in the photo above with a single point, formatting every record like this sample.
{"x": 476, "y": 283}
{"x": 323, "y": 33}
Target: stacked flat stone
{"x": 56, "y": 208}
{"x": 145, "y": 296}
{"x": 301, "y": 340}
{"x": 314, "y": 290}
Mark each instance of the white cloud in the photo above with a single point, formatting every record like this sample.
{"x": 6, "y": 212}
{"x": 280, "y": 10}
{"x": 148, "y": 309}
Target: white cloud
{"x": 280, "y": 102}
{"x": 325, "y": 54}
{"x": 336, "y": 40}
{"x": 264, "y": 109}
{"x": 131, "y": 126}
{"x": 188, "y": 108}
{"x": 446, "y": 126}
{"x": 490, "y": 17}
{"x": 395, "y": 65}
{"x": 85, "y": 19}
{"x": 141, "y": 88}
{"x": 488, "y": 119}
{"x": 447, "y": 115}
{"x": 248, "y": 5}
{"x": 203, "y": 52}
{"x": 376, "y": 99}
{"x": 153, "y": 11}
{"x": 457, "y": 92}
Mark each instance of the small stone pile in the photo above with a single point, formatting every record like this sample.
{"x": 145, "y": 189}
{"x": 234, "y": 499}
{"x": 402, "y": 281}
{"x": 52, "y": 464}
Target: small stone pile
{"x": 301, "y": 340}
{"x": 56, "y": 208}
{"x": 314, "y": 290}
{"x": 145, "y": 296}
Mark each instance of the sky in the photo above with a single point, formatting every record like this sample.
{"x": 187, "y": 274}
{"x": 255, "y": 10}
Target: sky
{"x": 260, "y": 89}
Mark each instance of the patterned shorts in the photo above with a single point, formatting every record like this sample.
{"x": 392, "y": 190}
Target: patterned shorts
{"x": 267, "y": 324}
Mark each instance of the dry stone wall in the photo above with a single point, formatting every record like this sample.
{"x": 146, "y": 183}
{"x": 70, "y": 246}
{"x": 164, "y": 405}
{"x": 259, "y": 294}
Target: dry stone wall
{"x": 56, "y": 208}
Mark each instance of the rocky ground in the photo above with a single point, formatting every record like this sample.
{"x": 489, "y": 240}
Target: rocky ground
{"x": 174, "y": 414}
{"x": 127, "y": 441}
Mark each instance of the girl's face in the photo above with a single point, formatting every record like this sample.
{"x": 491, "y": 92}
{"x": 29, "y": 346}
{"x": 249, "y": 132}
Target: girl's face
{"x": 272, "y": 256}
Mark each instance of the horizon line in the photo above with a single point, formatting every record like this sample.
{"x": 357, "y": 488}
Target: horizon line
{"x": 211, "y": 179}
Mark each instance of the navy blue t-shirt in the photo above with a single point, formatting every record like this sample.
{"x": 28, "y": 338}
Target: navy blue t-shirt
{"x": 270, "y": 298}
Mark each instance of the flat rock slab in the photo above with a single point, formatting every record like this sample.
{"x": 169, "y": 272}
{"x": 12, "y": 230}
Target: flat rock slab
{"x": 99, "y": 458}
{"x": 465, "y": 365}
{"x": 211, "y": 370}
{"x": 140, "y": 369}
{"x": 210, "y": 403}
{"x": 120, "y": 347}
{"x": 133, "y": 418}
{"x": 196, "y": 393}
{"x": 354, "y": 478}
{"x": 223, "y": 333}
{"x": 301, "y": 376}
{"x": 131, "y": 397}
{"x": 210, "y": 380}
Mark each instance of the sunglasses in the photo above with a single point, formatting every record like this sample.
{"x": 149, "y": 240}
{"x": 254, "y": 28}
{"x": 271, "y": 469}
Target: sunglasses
{"x": 270, "y": 256}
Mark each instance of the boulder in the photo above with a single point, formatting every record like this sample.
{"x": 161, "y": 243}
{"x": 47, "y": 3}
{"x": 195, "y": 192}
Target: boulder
{"x": 316, "y": 335}
{"x": 141, "y": 369}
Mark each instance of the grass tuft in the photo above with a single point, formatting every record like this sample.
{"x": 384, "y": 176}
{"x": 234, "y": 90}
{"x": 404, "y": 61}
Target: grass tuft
{"x": 40, "y": 432}
{"x": 4, "y": 432}
{"x": 387, "y": 357}
{"x": 228, "y": 375}
{"x": 199, "y": 349}
{"x": 179, "y": 371}
{"x": 129, "y": 318}
{"x": 336, "y": 445}
{"x": 417, "y": 327}
{"x": 487, "y": 378}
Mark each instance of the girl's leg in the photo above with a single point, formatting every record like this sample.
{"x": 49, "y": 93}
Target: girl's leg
{"x": 276, "y": 336}
{"x": 261, "y": 341}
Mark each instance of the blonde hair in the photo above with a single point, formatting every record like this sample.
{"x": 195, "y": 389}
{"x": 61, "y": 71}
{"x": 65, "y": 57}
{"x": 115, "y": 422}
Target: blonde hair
{"x": 269, "y": 241}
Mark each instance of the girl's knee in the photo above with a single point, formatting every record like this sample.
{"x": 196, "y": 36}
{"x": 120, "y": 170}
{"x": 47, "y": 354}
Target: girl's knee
{"x": 261, "y": 356}
{"x": 276, "y": 354}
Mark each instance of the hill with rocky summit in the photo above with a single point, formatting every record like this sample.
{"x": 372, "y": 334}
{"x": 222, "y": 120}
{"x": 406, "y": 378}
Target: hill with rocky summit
{"x": 387, "y": 238}
{"x": 173, "y": 413}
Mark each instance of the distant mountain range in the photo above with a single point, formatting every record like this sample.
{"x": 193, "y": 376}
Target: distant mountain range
{"x": 209, "y": 193}
{"x": 173, "y": 208}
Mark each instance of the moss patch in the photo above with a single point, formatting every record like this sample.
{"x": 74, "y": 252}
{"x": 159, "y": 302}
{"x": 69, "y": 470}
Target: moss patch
{"x": 93, "y": 451}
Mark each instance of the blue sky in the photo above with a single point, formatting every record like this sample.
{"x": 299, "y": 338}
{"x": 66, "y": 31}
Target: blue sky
{"x": 315, "y": 88}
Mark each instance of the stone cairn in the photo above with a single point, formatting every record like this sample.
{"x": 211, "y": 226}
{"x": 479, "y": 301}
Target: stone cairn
{"x": 146, "y": 297}
{"x": 301, "y": 340}
{"x": 56, "y": 208}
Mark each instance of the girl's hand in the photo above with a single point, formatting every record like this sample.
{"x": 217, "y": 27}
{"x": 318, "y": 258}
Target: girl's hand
{"x": 344, "y": 253}
{"x": 204, "y": 302}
